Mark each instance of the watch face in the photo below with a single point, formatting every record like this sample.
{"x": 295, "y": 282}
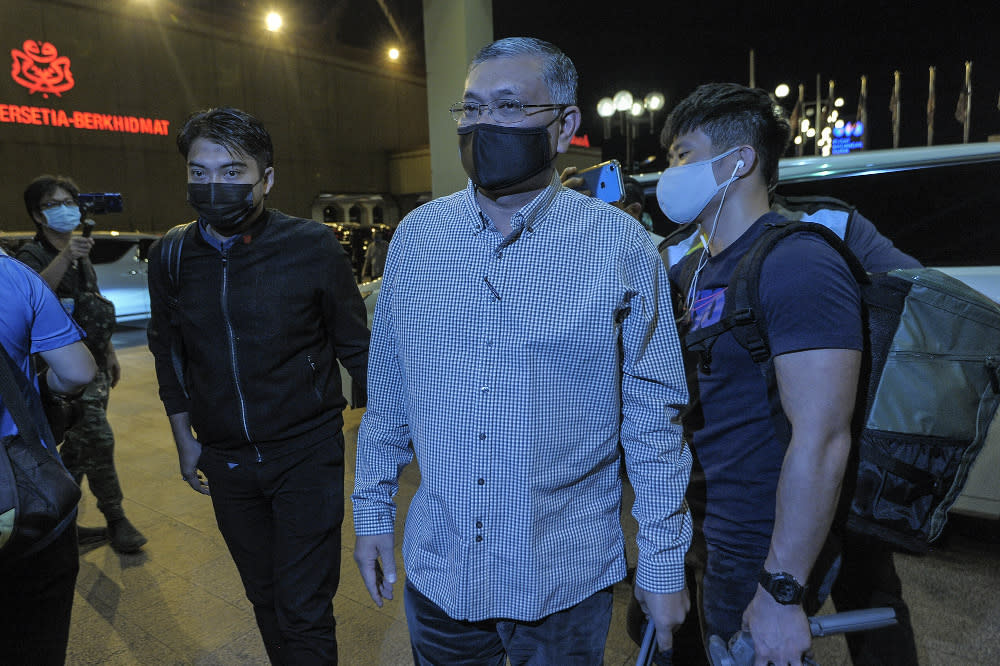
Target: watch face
{"x": 783, "y": 587}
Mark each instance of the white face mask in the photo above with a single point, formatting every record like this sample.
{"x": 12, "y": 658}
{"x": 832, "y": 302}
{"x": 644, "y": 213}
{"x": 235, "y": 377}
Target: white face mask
{"x": 62, "y": 218}
{"x": 684, "y": 191}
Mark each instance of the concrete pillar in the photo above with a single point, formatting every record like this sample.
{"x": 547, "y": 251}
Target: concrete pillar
{"x": 454, "y": 31}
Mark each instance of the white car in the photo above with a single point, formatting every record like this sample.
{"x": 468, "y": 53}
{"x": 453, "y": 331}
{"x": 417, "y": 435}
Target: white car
{"x": 940, "y": 204}
{"x": 120, "y": 261}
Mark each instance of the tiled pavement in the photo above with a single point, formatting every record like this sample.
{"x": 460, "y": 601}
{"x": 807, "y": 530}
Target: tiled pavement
{"x": 180, "y": 600}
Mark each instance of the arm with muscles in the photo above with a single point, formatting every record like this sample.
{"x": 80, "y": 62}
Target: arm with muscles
{"x": 817, "y": 390}
{"x": 70, "y": 368}
{"x": 657, "y": 459}
{"x": 383, "y": 450}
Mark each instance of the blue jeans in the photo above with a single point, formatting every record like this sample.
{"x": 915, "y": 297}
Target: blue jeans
{"x": 721, "y": 587}
{"x": 575, "y": 635}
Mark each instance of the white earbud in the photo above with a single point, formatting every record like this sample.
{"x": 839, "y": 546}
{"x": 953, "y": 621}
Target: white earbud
{"x": 739, "y": 164}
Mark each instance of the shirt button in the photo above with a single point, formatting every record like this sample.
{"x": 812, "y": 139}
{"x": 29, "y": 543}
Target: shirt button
{"x": 499, "y": 255}
{"x": 482, "y": 435}
{"x": 479, "y": 537}
{"x": 481, "y": 481}
{"x": 479, "y": 524}
{"x": 485, "y": 389}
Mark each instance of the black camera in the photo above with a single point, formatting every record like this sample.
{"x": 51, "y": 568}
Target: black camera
{"x": 100, "y": 203}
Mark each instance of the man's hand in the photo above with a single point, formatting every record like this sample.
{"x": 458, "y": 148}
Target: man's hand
{"x": 78, "y": 247}
{"x": 569, "y": 179}
{"x": 377, "y": 563}
{"x": 188, "y": 452}
{"x": 780, "y": 632}
{"x": 114, "y": 368}
{"x": 665, "y": 611}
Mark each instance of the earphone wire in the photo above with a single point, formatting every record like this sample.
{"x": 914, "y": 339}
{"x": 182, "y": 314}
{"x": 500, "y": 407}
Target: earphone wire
{"x": 705, "y": 254}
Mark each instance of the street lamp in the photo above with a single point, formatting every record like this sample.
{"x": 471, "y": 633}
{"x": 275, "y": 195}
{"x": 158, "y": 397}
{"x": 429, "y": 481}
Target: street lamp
{"x": 273, "y": 21}
{"x": 781, "y": 90}
{"x": 653, "y": 102}
{"x": 606, "y": 109}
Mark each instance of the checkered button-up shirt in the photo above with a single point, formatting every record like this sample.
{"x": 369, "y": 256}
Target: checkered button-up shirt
{"x": 514, "y": 369}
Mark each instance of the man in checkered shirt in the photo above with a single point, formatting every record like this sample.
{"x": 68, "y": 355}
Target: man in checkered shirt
{"x": 522, "y": 342}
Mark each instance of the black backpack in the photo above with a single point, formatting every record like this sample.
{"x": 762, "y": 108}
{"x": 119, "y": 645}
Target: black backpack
{"x": 929, "y": 387}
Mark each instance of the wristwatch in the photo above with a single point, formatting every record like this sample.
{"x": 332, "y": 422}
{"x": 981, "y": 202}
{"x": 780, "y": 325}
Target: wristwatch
{"x": 783, "y": 587}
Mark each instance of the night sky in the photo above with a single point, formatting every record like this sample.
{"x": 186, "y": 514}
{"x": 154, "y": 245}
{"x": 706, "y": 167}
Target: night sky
{"x": 672, "y": 47}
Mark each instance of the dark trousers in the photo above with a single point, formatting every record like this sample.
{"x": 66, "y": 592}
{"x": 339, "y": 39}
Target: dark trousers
{"x": 281, "y": 519}
{"x": 868, "y": 579}
{"x": 575, "y": 635}
{"x": 37, "y": 602}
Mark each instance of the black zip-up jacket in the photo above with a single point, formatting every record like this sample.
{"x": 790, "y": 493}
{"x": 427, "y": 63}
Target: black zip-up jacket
{"x": 262, "y": 326}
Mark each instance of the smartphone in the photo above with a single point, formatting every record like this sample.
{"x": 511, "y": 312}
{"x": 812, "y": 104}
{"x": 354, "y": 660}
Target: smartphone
{"x": 604, "y": 181}
{"x": 99, "y": 203}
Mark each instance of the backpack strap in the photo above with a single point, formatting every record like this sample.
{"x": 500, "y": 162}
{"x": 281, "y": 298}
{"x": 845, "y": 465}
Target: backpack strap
{"x": 743, "y": 304}
{"x": 171, "y": 250}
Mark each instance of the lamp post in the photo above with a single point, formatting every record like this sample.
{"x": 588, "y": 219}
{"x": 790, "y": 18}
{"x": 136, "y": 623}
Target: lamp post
{"x": 631, "y": 112}
{"x": 653, "y": 102}
{"x": 606, "y": 109}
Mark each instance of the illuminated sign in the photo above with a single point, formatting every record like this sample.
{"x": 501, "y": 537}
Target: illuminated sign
{"x": 35, "y": 115}
{"x": 847, "y": 138}
{"x": 583, "y": 141}
{"x": 38, "y": 67}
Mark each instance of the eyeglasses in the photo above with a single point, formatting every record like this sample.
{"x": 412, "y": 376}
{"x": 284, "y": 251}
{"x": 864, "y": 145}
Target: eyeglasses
{"x": 502, "y": 111}
{"x": 49, "y": 205}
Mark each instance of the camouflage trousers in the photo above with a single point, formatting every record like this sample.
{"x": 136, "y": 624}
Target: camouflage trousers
{"x": 89, "y": 446}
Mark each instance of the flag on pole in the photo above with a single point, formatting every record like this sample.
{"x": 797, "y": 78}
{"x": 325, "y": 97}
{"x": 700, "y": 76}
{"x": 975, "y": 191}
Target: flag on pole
{"x": 862, "y": 114}
{"x": 930, "y": 106}
{"x": 964, "y": 108}
{"x": 798, "y": 113}
{"x": 894, "y": 103}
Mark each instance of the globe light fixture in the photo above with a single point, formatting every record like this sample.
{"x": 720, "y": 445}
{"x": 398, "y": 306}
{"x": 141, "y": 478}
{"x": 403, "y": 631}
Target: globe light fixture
{"x": 637, "y": 109}
{"x": 654, "y": 101}
{"x": 605, "y": 107}
{"x": 623, "y": 100}
{"x": 394, "y": 53}
{"x": 781, "y": 90}
{"x": 273, "y": 21}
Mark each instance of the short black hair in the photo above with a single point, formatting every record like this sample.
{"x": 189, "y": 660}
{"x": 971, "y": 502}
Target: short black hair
{"x": 732, "y": 114}
{"x": 44, "y": 185}
{"x": 237, "y": 130}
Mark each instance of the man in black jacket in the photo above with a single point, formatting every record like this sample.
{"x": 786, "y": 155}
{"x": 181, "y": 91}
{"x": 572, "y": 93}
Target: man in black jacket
{"x": 249, "y": 317}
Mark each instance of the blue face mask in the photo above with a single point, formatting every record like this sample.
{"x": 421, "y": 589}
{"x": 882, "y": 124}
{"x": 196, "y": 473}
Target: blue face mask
{"x": 62, "y": 218}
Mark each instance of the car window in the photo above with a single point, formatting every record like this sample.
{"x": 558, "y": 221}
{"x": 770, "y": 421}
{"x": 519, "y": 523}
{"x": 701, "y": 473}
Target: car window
{"x": 109, "y": 250}
{"x": 942, "y": 215}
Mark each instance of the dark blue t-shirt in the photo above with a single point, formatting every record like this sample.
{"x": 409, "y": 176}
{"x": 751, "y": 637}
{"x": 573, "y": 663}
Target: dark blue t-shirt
{"x": 810, "y": 301}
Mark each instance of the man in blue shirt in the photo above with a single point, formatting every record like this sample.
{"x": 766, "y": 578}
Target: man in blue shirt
{"x": 517, "y": 409}
{"x": 38, "y": 590}
{"x": 765, "y": 503}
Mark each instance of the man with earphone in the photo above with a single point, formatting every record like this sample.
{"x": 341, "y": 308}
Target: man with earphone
{"x": 763, "y": 503}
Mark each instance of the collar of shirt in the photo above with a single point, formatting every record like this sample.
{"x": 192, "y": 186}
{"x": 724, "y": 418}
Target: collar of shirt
{"x": 529, "y": 217}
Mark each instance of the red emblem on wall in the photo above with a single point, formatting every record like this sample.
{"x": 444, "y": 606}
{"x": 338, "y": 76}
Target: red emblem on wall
{"x": 40, "y": 68}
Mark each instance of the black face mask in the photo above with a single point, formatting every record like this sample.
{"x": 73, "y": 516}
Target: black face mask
{"x": 223, "y": 206}
{"x": 497, "y": 156}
